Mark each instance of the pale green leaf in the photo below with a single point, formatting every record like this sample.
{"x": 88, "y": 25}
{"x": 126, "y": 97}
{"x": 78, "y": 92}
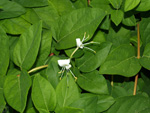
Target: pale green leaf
{"x": 70, "y": 110}
{"x": 43, "y": 94}
{"x": 130, "y": 4}
{"x": 144, "y": 5}
{"x": 16, "y": 89}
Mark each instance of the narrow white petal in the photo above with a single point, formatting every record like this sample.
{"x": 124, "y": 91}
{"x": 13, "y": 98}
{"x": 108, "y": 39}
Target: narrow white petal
{"x": 78, "y": 42}
{"x": 63, "y": 63}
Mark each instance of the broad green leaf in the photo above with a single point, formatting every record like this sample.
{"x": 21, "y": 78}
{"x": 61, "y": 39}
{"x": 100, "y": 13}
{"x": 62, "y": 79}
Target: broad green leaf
{"x": 99, "y": 37}
{"x": 66, "y": 92}
{"x": 27, "y": 47}
{"x": 70, "y": 110}
{"x": 15, "y": 26}
{"x": 144, "y": 30}
{"x": 97, "y": 82}
{"x": 45, "y": 47}
{"x": 102, "y": 4}
{"x": 75, "y": 24}
{"x": 10, "y": 9}
{"x": 47, "y": 14}
{"x": 43, "y": 95}
{"x": 103, "y": 103}
{"x": 32, "y": 3}
{"x": 31, "y": 110}
{"x": 77, "y": 54}
{"x": 87, "y": 103}
{"x": 145, "y": 59}
{"x": 130, "y": 104}
{"x": 130, "y": 4}
{"x": 52, "y": 70}
{"x": 129, "y": 19}
{"x": 116, "y": 3}
{"x": 91, "y": 61}
{"x": 63, "y": 6}
{"x": 121, "y": 61}
{"x": 117, "y": 16}
{"x": 144, "y": 5}
{"x": 145, "y": 110}
{"x": 16, "y": 89}
{"x": 4, "y": 52}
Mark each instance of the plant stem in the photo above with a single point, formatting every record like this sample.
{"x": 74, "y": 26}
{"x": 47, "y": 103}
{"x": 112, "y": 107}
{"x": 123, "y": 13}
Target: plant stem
{"x": 88, "y": 2}
{"x": 37, "y": 68}
{"x": 112, "y": 80}
{"x": 138, "y": 57}
{"x": 73, "y": 52}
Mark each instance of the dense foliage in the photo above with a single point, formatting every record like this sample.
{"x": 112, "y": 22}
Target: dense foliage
{"x": 102, "y": 51}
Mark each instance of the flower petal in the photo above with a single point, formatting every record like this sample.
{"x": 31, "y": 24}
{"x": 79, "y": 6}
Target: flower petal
{"x": 63, "y": 63}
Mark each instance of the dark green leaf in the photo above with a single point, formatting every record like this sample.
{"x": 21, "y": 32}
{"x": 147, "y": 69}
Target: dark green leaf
{"x": 130, "y": 4}
{"x": 10, "y": 9}
{"x": 45, "y": 47}
{"x": 75, "y": 24}
{"x": 52, "y": 70}
{"x": 117, "y": 16}
{"x": 32, "y": 3}
{"x": 66, "y": 91}
{"x": 87, "y": 103}
{"x": 145, "y": 59}
{"x": 15, "y": 25}
{"x": 43, "y": 95}
{"x": 105, "y": 23}
{"x": 4, "y": 52}
{"x": 130, "y": 104}
{"x": 121, "y": 61}
{"x": 91, "y": 61}
{"x": 129, "y": 20}
{"x": 26, "y": 49}
{"x": 97, "y": 82}
{"x": 80, "y": 4}
{"x": 16, "y": 89}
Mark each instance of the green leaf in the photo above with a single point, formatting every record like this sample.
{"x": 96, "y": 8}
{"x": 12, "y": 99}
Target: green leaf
{"x": 15, "y": 26}
{"x": 27, "y": 47}
{"x": 87, "y": 103}
{"x": 90, "y": 61}
{"x": 97, "y": 82}
{"x": 130, "y": 104}
{"x": 80, "y": 4}
{"x": 145, "y": 59}
{"x": 16, "y": 89}
{"x": 117, "y": 16}
{"x": 51, "y": 72}
{"x": 45, "y": 47}
{"x": 144, "y": 30}
{"x": 121, "y": 61}
{"x": 63, "y": 6}
{"x": 70, "y": 110}
{"x": 4, "y": 52}
{"x": 144, "y": 5}
{"x": 43, "y": 95}
{"x": 102, "y": 4}
{"x": 105, "y": 23}
{"x": 66, "y": 92}
{"x": 116, "y": 3}
{"x": 75, "y": 24}
{"x": 10, "y": 9}
{"x": 129, "y": 19}
{"x": 130, "y": 4}
{"x": 32, "y": 3}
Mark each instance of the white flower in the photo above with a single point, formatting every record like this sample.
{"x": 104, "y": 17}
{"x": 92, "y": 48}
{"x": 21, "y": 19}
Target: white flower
{"x": 81, "y": 45}
{"x": 65, "y": 64}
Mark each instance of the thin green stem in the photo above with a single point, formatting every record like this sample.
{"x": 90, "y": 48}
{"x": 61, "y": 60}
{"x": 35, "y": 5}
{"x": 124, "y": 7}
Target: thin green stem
{"x": 73, "y": 52}
{"x": 37, "y": 68}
